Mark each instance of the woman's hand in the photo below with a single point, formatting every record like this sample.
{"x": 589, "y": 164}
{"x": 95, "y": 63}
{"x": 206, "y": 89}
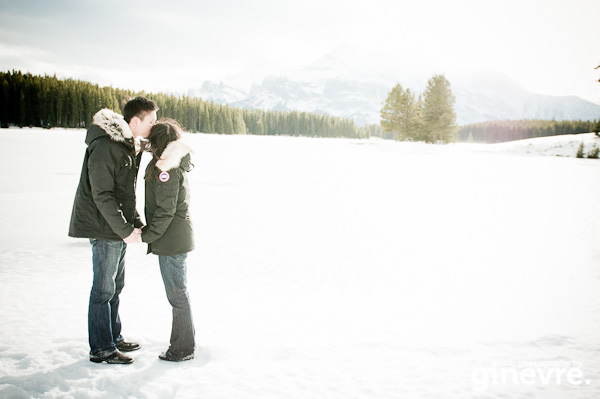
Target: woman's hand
{"x": 134, "y": 238}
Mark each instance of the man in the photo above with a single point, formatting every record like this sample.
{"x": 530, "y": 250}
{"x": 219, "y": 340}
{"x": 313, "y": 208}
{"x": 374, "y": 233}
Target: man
{"x": 104, "y": 211}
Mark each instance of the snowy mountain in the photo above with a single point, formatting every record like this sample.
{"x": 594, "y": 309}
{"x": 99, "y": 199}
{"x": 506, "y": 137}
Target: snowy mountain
{"x": 360, "y": 101}
{"x": 351, "y": 99}
{"x": 487, "y": 97}
{"x": 338, "y": 86}
{"x": 217, "y": 92}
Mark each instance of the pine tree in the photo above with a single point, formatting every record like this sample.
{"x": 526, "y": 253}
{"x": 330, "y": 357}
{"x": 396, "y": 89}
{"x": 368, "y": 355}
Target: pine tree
{"x": 581, "y": 151}
{"x": 594, "y": 152}
{"x": 398, "y": 114}
{"x": 419, "y": 132}
{"x": 438, "y": 111}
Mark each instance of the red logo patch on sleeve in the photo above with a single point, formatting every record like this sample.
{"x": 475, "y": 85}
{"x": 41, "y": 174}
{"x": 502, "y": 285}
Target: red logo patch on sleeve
{"x": 164, "y": 177}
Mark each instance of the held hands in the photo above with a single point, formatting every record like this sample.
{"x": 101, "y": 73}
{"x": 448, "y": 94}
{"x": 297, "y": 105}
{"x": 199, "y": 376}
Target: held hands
{"x": 135, "y": 237}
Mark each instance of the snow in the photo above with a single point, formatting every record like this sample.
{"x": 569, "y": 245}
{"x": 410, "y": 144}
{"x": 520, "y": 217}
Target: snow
{"x": 325, "y": 268}
{"x": 560, "y": 146}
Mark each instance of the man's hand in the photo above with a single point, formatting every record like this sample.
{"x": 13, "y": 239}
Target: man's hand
{"x": 134, "y": 238}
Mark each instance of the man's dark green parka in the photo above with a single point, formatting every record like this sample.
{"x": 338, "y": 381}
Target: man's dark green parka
{"x": 104, "y": 206}
{"x": 168, "y": 229}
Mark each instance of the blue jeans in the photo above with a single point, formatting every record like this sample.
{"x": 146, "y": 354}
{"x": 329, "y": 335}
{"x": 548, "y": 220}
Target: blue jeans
{"x": 104, "y": 324}
{"x": 173, "y": 270}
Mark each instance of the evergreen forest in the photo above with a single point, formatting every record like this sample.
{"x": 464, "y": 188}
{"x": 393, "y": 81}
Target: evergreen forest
{"x": 501, "y": 131}
{"x": 46, "y": 101}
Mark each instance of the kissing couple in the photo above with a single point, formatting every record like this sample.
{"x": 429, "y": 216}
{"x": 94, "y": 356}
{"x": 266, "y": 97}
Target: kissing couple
{"x": 104, "y": 211}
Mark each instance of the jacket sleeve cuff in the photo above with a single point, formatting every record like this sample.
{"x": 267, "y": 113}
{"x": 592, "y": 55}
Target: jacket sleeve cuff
{"x": 145, "y": 234}
{"x": 127, "y": 231}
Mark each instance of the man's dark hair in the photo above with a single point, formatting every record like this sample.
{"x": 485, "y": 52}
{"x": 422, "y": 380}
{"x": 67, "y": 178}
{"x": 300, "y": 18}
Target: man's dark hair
{"x": 138, "y": 106}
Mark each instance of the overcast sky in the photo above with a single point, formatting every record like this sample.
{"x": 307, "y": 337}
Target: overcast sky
{"x": 550, "y": 46}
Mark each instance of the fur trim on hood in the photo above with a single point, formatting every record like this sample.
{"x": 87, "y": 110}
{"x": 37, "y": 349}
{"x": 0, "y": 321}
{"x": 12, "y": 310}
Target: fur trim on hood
{"x": 172, "y": 155}
{"x": 113, "y": 124}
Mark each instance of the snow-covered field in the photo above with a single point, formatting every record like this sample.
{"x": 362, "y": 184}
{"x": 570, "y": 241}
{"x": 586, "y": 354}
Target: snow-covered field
{"x": 324, "y": 269}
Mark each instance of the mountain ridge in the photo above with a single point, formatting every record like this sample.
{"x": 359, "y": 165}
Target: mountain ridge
{"x": 480, "y": 97}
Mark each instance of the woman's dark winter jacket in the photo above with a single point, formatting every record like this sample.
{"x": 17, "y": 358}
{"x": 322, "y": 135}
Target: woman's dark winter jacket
{"x": 104, "y": 204}
{"x": 169, "y": 226}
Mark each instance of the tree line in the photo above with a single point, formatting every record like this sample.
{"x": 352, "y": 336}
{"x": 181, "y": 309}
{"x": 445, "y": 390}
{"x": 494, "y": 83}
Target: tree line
{"x": 429, "y": 117}
{"x": 501, "y": 131}
{"x": 46, "y": 101}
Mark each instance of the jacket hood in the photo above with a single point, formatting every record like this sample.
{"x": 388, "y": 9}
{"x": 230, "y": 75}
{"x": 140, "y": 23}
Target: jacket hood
{"x": 176, "y": 154}
{"x": 111, "y": 124}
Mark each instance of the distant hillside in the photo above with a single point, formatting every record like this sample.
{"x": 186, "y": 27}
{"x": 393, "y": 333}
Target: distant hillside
{"x": 501, "y": 131}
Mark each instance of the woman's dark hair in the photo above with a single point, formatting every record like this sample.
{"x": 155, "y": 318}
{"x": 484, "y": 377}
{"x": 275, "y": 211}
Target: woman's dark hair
{"x": 162, "y": 133}
{"x": 139, "y": 107}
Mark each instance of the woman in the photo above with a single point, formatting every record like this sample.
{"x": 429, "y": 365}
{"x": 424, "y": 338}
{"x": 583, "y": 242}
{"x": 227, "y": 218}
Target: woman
{"x": 169, "y": 231}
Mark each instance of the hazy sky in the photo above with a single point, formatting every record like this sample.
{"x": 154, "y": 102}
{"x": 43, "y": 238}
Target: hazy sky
{"x": 550, "y": 46}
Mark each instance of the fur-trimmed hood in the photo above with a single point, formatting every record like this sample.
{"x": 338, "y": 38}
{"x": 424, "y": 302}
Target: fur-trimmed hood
{"x": 113, "y": 125}
{"x": 173, "y": 155}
